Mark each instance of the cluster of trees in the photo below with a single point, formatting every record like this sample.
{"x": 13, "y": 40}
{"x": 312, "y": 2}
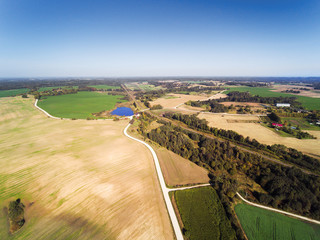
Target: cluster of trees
{"x": 281, "y": 151}
{"x": 291, "y": 91}
{"x": 16, "y": 215}
{"x": 155, "y": 107}
{"x": 248, "y": 84}
{"x": 247, "y": 97}
{"x": 287, "y": 188}
{"x": 212, "y": 105}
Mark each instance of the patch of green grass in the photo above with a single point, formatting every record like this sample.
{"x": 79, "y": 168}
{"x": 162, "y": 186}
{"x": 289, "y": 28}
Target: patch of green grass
{"x": 203, "y": 215}
{"x": 105, "y": 87}
{"x": 80, "y": 105}
{"x": 307, "y": 102}
{"x": 13, "y": 92}
{"x": 302, "y": 123}
{"x": 263, "y": 224}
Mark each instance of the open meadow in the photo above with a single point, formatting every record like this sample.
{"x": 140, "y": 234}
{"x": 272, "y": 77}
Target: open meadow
{"x": 173, "y": 100}
{"x": 202, "y": 214}
{"x": 246, "y": 126}
{"x": 309, "y": 103}
{"x": 261, "y": 224}
{"x": 78, "y": 179}
{"x": 80, "y": 105}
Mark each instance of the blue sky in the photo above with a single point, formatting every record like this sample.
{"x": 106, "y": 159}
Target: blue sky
{"x": 159, "y": 38}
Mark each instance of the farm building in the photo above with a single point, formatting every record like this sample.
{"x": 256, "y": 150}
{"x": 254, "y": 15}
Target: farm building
{"x": 283, "y": 104}
{"x": 277, "y": 125}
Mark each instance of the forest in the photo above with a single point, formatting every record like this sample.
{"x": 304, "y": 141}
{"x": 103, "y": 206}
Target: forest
{"x": 287, "y": 188}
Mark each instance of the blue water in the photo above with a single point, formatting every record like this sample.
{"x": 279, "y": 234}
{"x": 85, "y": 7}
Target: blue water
{"x": 122, "y": 111}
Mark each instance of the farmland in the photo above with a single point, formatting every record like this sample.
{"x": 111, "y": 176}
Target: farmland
{"x": 13, "y": 92}
{"x": 142, "y": 86}
{"x": 243, "y": 125}
{"x": 78, "y": 179}
{"x": 173, "y": 100}
{"x": 202, "y": 214}
{"x": 307, "y": 102}
{"x": 260, "y": 224}
{"x": 79, "y": 105}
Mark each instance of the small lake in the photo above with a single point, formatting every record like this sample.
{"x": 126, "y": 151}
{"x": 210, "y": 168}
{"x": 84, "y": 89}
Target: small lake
{"x": 123, "y": 111}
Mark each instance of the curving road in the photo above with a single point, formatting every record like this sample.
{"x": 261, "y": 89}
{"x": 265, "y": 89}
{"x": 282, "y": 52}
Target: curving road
{"x": 279, "y": 211}
{"x": 165, "y": 190}
{"x": 46, "y": 113}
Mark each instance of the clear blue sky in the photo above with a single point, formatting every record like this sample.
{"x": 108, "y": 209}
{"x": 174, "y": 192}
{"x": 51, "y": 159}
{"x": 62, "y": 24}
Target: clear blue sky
{"x": 159, "y": 38}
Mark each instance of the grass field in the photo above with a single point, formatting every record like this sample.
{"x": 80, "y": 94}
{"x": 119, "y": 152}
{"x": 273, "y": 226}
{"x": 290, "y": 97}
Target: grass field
{"x": 78, "y": 179}
{"x": 13, "y": 92}
{"x": 80, "y": 105}
{"x": 261, "y": 224}
{"x": 203, "y": 215}
{"x": 307, "y": 102}
{"x": 105, "y": 87}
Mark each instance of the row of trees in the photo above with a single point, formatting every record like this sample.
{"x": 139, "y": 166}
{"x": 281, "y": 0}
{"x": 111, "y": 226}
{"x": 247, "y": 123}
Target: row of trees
{"x": 287, "y": 154}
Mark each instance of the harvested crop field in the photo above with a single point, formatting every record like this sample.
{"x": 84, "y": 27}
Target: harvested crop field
{"x": 260, "y": 224}
{"x": 178, "y": 170}
{"x": 259, "y": 132}
{"x": 176, "y": 100}
{"x": 78, "y": 179}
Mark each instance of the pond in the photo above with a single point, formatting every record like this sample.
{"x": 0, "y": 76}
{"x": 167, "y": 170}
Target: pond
{"x": 122, "y": 111}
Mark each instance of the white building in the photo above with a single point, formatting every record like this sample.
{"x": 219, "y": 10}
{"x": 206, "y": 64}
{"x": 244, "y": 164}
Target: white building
{"x": 283, "y": 104}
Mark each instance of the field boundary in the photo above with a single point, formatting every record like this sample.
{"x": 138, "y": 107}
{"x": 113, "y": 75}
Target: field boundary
{"x": 279, "y": 211}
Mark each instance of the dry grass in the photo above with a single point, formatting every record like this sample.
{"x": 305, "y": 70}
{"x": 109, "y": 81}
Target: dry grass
{"x": 176, "y": 100}
{"x": 260, "y": 133}
{"x": 178, "y": 170}
{"x": 80, "y": 179}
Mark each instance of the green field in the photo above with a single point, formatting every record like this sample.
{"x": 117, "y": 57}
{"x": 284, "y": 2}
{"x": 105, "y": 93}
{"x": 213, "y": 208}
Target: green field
{"x": 302, "y": 123}
{"x": 79, "y": 105}
{"x": 105, "y": 87}
{"x": 13, "y": 92}
{"x": 307, "y": 102}
{"x": 261, "y": 224}
{"x": 203, "y": 215}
